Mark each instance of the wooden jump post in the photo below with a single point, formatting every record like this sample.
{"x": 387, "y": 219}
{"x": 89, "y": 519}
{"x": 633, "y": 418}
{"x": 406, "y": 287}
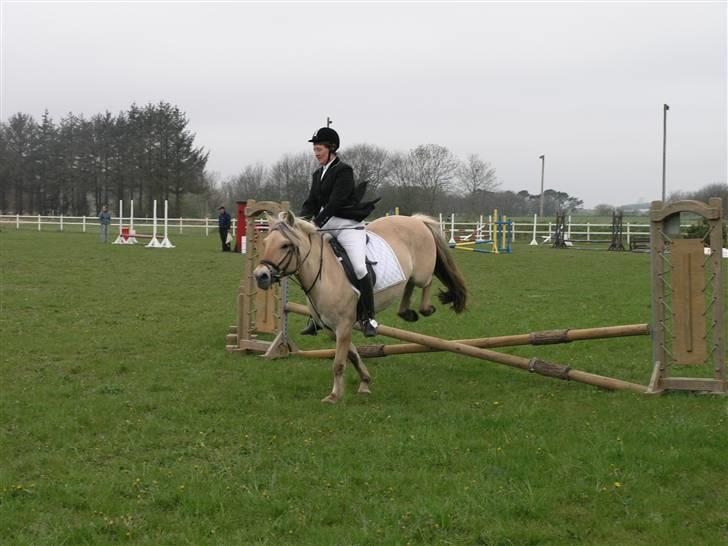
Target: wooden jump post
{"x": 688, "y": 305}
{"x": 260, "y": 311}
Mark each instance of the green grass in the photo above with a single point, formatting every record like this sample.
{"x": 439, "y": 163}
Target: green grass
{"x": 123, "y": 419}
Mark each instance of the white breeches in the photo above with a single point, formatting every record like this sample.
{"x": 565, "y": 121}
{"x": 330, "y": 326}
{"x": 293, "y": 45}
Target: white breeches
{"x": 354, "y": 241}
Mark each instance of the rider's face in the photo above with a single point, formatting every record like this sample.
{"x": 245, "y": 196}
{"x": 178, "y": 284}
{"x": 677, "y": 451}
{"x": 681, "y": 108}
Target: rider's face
{"x": 322, "y": 153}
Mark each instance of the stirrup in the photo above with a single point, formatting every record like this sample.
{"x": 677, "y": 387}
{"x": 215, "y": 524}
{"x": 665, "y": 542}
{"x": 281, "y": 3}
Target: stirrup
{"x": 311, "y": 328}
{"x": 369, "y": 327}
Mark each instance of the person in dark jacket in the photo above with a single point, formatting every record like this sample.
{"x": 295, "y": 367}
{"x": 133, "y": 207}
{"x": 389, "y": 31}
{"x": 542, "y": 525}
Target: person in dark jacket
{"x": 105, "y": 221}
{"x": 223, "y": 224}
{"x": 335, "y": 205}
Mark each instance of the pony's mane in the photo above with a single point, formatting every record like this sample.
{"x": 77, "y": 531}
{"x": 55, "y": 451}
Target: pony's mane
{"x": 295, "y": 232}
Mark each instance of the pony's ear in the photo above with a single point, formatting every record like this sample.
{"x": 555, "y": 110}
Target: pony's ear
{"x": 288, "y": 217}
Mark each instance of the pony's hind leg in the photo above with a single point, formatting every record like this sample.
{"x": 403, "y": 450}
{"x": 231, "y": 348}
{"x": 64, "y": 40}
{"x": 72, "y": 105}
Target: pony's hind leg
{"x": 361, "y": 369}
{"x": 404, "y": 306}
{"x": 343, "y": 340}
{"x": 426, "y": 309}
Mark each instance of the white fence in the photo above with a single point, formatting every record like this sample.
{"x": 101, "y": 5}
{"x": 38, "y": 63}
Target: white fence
{"x": 196, "y": 226}
{"x": 541, "y": 230}
{"x": 453, "y": 229}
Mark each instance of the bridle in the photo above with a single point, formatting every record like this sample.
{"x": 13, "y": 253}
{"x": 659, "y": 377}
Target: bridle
{"x": 279, "y": 270}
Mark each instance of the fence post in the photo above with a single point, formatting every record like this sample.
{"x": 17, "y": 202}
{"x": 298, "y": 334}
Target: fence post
{"x": 568, "y": 231}
{"x": 39, "y": 222}
{"x": 588, "y": 231}
{"x": 83, "y": 223}
{"x": 207, "y": 226}
{"x": 17, "y": 221}
{"x": 180, "y": 225}
{"x": 61, "y": 222}
{"x": 628, "y": 233}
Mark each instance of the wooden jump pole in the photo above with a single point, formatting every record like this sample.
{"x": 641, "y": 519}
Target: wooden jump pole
{"x": 550, "y": 337}
{"x": 535, "y": 365}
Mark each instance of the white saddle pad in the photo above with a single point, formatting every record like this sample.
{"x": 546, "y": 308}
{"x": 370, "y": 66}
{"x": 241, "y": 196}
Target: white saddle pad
{"x": 387, "y": 268}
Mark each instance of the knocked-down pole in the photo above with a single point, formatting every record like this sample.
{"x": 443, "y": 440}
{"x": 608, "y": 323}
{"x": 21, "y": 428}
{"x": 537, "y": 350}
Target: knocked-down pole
{"x": 549, "y": 337}
{"x": 535, "y": 365}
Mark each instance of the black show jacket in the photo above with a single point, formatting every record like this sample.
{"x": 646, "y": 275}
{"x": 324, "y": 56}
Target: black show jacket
{"x": 337, "y": 194}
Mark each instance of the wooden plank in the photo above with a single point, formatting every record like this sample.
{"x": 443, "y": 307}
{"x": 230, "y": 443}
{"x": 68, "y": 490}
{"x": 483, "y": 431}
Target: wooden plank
{"x": 693, "y": 384}
{"x": 689, "y": 332}
{"x": 535, "y": 338}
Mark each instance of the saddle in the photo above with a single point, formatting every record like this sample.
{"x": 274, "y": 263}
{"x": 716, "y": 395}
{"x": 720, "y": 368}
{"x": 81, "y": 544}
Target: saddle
{"x": 345, "y": 262}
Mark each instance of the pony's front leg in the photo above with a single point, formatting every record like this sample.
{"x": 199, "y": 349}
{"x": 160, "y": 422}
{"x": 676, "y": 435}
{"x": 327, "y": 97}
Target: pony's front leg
{"x": 343, "y": 340}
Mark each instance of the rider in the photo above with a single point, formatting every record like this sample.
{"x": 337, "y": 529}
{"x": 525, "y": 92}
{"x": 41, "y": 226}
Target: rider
{"x": 335, "y": 204}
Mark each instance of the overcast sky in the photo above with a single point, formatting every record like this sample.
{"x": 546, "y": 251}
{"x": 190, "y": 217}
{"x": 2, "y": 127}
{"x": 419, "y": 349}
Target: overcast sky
{"x": 583, "y": 83}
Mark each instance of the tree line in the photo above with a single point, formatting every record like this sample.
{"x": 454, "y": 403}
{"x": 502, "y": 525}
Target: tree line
{"x": 428, "y": 178}
{"x": 76, "y": 165}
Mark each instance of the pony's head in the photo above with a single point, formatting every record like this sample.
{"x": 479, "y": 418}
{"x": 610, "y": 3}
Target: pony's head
{"x": 284, "y": 248}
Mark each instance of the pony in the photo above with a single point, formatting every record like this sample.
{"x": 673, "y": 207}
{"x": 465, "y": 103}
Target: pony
{"x": 295, "y": 247}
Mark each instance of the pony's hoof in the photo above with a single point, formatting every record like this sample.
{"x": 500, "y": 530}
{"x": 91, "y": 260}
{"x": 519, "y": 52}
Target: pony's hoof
{"x": 429, "y": 311}
{"x": 409, "y": 315}
{"x": 330, "y": 399}
{"x": 364, "y": 389}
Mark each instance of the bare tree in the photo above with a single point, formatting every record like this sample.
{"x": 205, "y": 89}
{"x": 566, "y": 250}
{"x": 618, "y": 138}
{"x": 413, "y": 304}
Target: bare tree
{"x": 433, "y": 167}
{"x": 369, "y": 164}
{"x": 399, "y": 170}
{"x": 476, "y": 175}
{"x": 476, "y": 178}
{"x": 290, "y": 178}
{"x": 248, "y": 184}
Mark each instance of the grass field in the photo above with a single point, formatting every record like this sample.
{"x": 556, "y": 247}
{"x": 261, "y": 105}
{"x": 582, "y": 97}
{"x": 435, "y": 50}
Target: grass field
{"x": 123, "y": 419}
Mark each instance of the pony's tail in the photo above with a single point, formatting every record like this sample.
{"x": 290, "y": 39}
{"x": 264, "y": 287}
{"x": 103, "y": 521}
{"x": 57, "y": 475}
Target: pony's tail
{"x": 445, "y": 268}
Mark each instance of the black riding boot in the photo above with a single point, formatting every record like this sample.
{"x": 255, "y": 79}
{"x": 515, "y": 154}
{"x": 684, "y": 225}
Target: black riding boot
{"x": 368, "y": 324}
{"x": 311, "y": 328}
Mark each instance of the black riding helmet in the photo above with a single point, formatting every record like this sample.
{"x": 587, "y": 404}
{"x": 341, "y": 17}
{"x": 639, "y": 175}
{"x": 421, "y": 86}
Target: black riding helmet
{"x": 328, "y": 136}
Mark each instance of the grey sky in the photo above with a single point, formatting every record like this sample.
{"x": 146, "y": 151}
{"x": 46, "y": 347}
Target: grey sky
{"x": 583, "y": 83}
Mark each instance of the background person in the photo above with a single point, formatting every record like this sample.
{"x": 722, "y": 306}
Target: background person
{"x": 105, "y": 221}
{"x": 335, "y": 204}
{"x": 223, "y": 224}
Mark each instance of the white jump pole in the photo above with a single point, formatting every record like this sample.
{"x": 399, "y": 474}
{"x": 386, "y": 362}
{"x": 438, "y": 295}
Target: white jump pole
{"x": 132, "y": 233}
{"x": 452, "y": 229}
{"x": 534, "y": 242}
{"x": 154, "y": 243}
{"x": 165, "y": 242}
{"x": 568, "y": 229}
{"x": 120, "y": 240}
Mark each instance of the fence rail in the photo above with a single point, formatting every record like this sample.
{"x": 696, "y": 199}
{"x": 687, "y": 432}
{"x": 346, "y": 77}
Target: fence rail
{"x": 453, "y": 229}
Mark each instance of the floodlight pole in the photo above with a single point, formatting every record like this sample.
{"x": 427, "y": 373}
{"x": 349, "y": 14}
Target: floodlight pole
{"x": 329, "y": 121}
{"x": 665, "y": 108}
{"x": 543, "y": 164}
